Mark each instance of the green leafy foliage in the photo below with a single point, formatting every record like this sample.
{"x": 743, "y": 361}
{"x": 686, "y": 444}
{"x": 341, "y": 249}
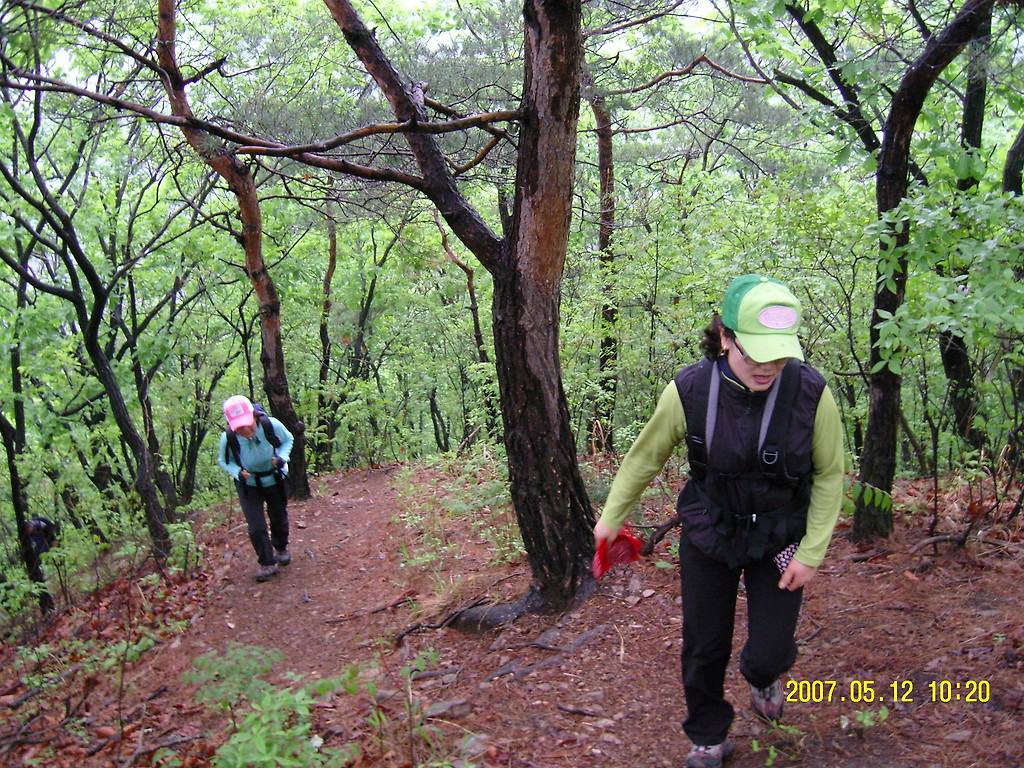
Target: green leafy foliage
{"x": 735, "y": 175}
{"x": 275, "y": 725}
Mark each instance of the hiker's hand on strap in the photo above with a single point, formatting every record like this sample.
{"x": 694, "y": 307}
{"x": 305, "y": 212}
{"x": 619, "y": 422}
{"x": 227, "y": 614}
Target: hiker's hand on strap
{"x": 796, "y": 575}
{"x": 243, "y": 474}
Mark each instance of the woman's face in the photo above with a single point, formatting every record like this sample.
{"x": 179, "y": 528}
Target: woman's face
{"x": 757, "y": 377}
{"x": 247, "y": 432}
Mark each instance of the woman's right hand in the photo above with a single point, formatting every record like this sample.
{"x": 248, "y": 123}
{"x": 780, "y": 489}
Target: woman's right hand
{"x": 243, "y": 474}
{"x": 603, "y": 532}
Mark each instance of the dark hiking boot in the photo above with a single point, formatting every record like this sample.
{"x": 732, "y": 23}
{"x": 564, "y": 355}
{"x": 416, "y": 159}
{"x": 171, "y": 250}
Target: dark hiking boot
{"x": 283, "y": 556}
{"x": 266, "y": 572}
{"x": 767, "y": 702}
{"x": 709, "y": 756}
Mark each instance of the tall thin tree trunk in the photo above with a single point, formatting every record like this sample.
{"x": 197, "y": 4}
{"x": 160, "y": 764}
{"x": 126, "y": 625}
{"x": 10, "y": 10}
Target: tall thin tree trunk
{"x": 956, "y": 362}
{"x": 490, "y": 407}
{"x": 1012, "y": 173}
{"x": 14, "y": 439}
{"x": 157, "y": 514}
{"x": 601, "y": 427}
{"x": 324, "y": 412}
{"x": 240, "y": 180}
{"x": 878, "y": 464}
{"x": 19, "y": 501}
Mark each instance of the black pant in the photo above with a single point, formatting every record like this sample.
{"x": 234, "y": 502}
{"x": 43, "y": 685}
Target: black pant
{"x": 709, "y": 605}
{"x": 252, "y": 499}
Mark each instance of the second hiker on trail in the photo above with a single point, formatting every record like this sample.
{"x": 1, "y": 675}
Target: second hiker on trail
{"x": 254, "y": 450}
{"x": 765, "y": 448}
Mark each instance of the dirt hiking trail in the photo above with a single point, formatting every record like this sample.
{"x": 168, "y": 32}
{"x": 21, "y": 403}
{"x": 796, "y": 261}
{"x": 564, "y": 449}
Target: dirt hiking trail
{"x": 597, "y": 687}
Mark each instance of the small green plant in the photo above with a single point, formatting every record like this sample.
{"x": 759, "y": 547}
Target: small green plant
{"x": 275, "y": 728}
{"x": 673, "y": 551}
{"x": 786, "y": 741}
{"x": 185, "y": 552}
{"x": 277, "y": 731}
{"x": 230, "y": 679}
{"x": 872, "y": 498}
{"x": 865, "y": 719}
{"x": 772, "y": 754}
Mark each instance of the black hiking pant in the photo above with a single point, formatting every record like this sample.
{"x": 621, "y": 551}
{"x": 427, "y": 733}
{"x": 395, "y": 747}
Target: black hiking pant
{"x": 709, "y": 606}
{"x": 252, "y": 499}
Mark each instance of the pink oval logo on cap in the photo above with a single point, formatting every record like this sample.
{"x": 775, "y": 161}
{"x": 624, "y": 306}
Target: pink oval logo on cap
{"x": 778, "y": 317}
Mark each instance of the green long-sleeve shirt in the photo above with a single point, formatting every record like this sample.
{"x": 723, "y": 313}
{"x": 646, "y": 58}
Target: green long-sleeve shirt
{"x": 667, "y": 429}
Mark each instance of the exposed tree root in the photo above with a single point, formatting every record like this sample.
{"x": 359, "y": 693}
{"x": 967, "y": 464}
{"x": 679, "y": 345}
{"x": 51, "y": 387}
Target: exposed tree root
{"x": 481, "y": 616}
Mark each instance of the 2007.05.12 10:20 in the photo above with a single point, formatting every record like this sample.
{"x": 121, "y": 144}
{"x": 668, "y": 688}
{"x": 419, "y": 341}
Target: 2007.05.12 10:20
{"x": 898, "y": 691}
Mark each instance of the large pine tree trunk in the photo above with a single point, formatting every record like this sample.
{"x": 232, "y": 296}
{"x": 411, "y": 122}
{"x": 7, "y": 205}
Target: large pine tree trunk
{"x": 547, "y": 491}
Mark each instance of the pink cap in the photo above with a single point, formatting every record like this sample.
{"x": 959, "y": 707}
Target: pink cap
{"x": 238, "y": 411}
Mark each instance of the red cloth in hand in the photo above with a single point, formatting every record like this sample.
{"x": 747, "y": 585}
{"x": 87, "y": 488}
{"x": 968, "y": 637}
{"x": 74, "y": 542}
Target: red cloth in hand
{"x": 624, "y": 549}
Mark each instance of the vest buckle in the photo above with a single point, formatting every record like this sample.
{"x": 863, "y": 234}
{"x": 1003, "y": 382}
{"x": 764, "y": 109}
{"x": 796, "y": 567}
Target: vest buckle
{"x": 769, "y": 457}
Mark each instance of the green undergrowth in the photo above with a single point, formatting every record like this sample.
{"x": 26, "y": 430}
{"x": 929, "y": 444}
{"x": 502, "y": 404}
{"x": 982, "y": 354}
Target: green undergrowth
{"x": 469, "y": 489}
{"x": 279, "y": 725}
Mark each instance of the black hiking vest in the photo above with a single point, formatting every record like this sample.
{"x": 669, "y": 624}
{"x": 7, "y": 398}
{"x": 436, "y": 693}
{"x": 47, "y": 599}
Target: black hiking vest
{"x": 750, "y": 461}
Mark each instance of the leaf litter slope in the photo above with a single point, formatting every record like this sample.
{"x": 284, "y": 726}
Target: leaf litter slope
{"x": 597, "y": 687}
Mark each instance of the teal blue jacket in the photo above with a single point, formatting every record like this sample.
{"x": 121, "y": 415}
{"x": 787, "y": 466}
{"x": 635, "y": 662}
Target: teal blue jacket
{"x": 256, "y": 454}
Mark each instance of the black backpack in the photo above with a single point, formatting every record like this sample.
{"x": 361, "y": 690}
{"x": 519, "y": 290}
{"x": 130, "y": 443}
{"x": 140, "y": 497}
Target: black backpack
{"x": 232, "y": 448}
{"x": 42, "y": 534}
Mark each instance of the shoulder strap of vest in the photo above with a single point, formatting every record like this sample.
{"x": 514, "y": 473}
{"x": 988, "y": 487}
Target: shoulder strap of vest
{"x": 701, "y": 418}
{"x": 232, "y": 449}
{"x": 775, "y": 420}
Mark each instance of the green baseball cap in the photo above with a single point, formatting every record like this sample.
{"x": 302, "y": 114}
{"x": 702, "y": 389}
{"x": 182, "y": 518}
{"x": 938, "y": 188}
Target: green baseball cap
{"x": 765, "y": 316}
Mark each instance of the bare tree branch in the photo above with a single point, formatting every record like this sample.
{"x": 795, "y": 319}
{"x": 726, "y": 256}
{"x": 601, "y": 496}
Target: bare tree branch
{"x": 702, "y": 59}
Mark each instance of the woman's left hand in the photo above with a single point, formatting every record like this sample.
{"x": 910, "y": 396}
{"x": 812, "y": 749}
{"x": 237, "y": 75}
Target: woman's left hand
{"x": 796, "y": 575}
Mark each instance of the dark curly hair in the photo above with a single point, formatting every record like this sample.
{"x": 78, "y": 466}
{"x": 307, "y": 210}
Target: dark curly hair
{"x": 711, "y": 344}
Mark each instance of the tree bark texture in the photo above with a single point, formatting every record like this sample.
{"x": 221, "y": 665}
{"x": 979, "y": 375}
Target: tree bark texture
{"x": 548, "y": 494}
{"x": 241, "y": 183}
{"x": 1013, "y": 169}
{"x": 878, "y": 463}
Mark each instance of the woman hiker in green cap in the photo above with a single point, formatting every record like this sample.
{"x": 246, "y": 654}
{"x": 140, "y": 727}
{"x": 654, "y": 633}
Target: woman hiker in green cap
{"x": 765, "y": 447}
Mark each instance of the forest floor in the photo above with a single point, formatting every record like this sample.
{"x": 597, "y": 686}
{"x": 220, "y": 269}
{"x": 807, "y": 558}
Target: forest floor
{"x": 378, "y": 552}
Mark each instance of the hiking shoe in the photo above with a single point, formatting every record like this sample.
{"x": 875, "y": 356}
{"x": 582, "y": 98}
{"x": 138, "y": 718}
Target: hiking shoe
{"x": 283, "y": 556}
{"x": 709, "y": 756}
{"x": 266, "y": 572}
{"x": 767, "y": 702}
